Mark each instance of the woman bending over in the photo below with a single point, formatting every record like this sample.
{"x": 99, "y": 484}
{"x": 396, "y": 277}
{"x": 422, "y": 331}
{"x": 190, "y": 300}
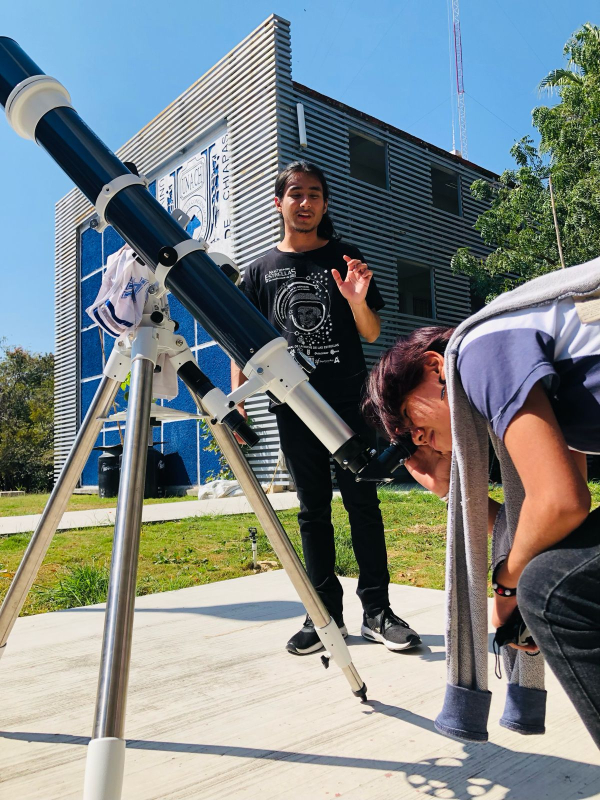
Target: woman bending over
{"x": 526, "y": 369}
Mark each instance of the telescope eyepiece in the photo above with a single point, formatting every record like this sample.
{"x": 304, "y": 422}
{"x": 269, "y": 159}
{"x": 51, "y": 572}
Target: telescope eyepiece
{"x": 382, "y": 469}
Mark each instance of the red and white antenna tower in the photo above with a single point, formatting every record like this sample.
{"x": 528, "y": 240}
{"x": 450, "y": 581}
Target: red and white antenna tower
{"x": 460, "y": 88}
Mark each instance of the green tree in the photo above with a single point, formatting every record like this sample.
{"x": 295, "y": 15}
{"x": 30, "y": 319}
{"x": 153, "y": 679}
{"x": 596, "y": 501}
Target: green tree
{"x": 519, "y": 223}
{"x": 26, "y": 419}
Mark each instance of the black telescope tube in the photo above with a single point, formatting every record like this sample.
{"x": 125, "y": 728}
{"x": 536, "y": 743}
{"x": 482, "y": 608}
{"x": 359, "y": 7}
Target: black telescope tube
{"x": 197, "y": 282}
{"x": 16, "y": 67}
{"x": 78, "y": 151}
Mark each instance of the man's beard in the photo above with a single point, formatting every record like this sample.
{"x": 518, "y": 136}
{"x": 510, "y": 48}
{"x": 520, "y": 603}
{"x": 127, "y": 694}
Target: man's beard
{"x": 303, "y": 230}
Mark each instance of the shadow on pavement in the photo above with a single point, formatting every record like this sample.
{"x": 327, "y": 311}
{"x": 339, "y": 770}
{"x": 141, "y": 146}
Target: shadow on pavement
{"x": 480, "y": 771}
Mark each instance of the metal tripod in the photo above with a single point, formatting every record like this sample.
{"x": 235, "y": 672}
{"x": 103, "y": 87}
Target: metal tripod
{"x": 138, "y": 353}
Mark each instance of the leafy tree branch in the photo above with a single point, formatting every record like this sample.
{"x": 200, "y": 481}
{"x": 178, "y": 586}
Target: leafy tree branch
{"x": 519, "y": 224}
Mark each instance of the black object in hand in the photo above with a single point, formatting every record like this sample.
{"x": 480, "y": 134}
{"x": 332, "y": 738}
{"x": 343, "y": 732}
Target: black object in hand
{"x": 514, "y": 631}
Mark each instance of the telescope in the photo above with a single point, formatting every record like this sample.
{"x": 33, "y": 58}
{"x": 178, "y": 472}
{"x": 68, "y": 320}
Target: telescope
{"x": 39, "y": 108}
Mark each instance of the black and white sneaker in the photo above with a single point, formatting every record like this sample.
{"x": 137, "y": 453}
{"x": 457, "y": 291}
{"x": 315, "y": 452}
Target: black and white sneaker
{"x": 307, "y": 640}
{"x": 388, "y": 629}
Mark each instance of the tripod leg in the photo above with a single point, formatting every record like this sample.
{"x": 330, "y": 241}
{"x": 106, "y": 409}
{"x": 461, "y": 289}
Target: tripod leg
{"x": 326, "y": 627}
{"x": 55, "y": 507}
{"x": 106, "y": 751}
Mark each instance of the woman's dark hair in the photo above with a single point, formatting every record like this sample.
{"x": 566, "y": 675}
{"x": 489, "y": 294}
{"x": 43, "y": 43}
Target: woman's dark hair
{"x": 396, "y": 374}
{"x": 325, "y": 229}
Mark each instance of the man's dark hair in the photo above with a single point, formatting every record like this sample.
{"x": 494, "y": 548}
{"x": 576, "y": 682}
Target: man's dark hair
{"x": 325, "y": 229}
{"x": 400, "y": 370}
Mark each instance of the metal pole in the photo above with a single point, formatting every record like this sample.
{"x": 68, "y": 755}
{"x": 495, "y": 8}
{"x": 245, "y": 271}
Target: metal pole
{"x": 106, "y": 752}
{"x": 55, "y": 507}
{"x": 116, "y": 646}
{"x": 558, "y": 242}
{"x": 270, "y": 524}
{"x": 324, "y": 625}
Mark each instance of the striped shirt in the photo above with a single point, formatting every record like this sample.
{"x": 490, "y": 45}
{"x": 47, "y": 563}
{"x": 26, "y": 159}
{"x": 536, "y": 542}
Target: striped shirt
{"x": 502, "y": 358}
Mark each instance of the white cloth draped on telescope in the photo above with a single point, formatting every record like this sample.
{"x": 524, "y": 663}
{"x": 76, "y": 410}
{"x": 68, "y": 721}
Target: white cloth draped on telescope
{"x": 119, "y": 307}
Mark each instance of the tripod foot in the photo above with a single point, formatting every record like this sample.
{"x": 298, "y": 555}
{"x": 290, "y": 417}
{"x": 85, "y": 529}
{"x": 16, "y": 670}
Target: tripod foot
{"x": 362, "y": 693}
{"x": 2, "y": 649}
{"x": 104, "y": 769}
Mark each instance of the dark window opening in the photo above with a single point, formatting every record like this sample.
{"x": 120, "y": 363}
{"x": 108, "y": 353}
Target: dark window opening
{"x": 415, "y": 293}
{"x": 445, "y": 190}
{"x": 477, "y": 299}
{"x": 368, "y": 160}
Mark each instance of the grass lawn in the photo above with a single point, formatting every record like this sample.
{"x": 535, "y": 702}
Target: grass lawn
{"x": 174, "y": 555}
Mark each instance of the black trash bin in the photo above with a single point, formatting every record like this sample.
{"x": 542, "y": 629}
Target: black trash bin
{"x": 155, "y": 474}
{"x": 109, "y": 470}
{"x": 154, "y": 485}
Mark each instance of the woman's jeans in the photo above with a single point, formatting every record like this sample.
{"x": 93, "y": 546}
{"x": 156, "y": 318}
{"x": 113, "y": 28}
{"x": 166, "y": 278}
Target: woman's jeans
{"x": 559, "y": 598}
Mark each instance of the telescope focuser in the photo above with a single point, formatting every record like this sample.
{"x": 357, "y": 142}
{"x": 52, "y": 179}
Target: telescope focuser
{"x": 355, "y": 454}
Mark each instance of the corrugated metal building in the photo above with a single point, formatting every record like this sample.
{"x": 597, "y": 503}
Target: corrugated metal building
{"x": 215, "y": 152}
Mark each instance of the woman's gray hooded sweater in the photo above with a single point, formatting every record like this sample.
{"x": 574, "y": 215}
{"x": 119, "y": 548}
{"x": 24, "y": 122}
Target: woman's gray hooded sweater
{"x": 467, "y": 700}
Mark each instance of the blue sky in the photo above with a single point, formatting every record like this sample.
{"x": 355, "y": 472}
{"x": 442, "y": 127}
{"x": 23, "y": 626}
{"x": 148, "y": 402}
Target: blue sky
{"x": 123, "y": 62}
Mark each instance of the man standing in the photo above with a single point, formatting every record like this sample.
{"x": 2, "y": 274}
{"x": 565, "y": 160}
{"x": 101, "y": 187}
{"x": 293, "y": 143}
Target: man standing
{"x": 320, "y": 295}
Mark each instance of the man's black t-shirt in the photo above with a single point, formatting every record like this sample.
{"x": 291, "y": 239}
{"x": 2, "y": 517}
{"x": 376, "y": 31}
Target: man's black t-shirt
{"x": 299, "y": 297}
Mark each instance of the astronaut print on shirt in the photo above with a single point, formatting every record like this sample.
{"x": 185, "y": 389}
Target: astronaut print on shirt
{"x": 298, "y": 295}
{"x": 302, "y": 308}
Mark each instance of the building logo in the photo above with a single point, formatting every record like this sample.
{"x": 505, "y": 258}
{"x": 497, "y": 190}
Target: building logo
{"x": 199, "y": 186}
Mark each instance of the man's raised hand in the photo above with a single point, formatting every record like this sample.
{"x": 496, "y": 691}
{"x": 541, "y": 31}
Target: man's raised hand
{"x": 354, "y": 287}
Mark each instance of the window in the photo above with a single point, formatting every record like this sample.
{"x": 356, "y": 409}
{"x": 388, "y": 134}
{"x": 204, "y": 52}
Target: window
{"x": 368, "y": 160}
{"x": 445, "y": 190}
{"x": 415, "y": 294}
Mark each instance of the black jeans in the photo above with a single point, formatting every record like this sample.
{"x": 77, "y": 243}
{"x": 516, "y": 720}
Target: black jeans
{"x": 559, "y": 598}
{"x": 308, "y": 463}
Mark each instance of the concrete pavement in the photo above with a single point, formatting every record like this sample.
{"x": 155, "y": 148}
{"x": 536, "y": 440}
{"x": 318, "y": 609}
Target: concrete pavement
{"x": 218, "y": 710}
{"x": 155, "y": 512}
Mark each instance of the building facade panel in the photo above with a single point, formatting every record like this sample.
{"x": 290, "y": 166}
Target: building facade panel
{"x": 398, "y": 221}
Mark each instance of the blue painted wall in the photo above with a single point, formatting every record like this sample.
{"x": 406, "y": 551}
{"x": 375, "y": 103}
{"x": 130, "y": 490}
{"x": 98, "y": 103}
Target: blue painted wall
{"x": 188, "y": 461}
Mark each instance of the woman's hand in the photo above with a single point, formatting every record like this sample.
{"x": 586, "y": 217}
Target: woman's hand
{"x": 431, "y": 468}
{"x": 504, "y": 607}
